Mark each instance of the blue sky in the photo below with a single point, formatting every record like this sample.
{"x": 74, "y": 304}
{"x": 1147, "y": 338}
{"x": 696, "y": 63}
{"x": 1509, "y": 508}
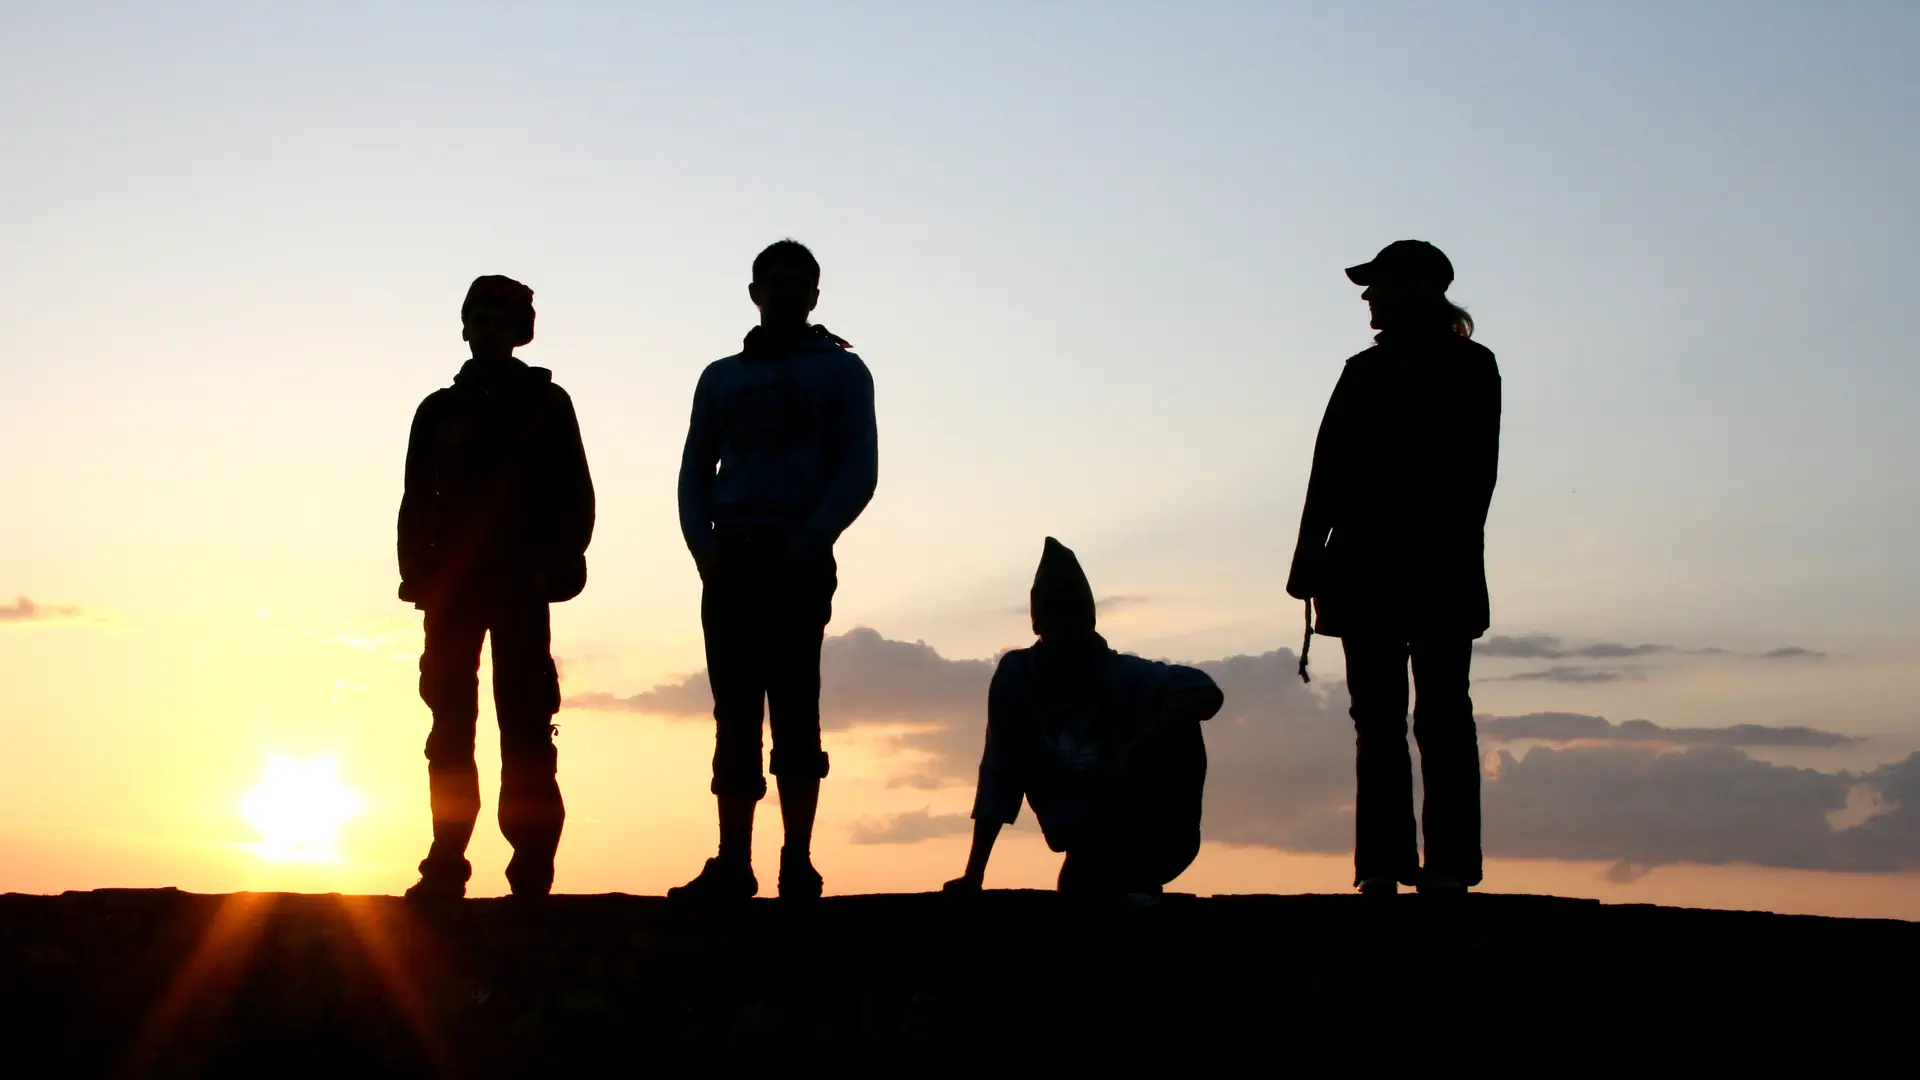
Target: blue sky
{"x": 1091, "y": 251}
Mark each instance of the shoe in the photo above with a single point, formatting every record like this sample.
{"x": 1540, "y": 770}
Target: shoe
{"x": 719, "y": 882}
{"x": 1379, "y": 886}
{"x": 441, "y": 879}
{"x": 437, "y": 888}
{"x": 798, "y": 879}
{"x": 530, "y": 880}
{"x": 1441, "y": 885}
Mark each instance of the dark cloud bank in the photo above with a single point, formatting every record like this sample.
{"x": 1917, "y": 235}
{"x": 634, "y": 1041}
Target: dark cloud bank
{"x": 1559, "y": 785}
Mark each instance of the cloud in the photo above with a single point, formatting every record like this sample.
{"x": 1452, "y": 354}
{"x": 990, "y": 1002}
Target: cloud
{"x": 1553, "y": 647}
{"x": 1281, "y": 769}
{"x": 24, "y": 610}
{"x": 1105, "y": 605}
{"x": 1711, "y": 805}
{"x": 1566, "y": 728}
{"x": 1626, "y": 873}
{"x": 864, "y": 679}
{"x": 908, "y": 828}
{"x": 1563, "y": 673}
{"x": 1550, "y": 647}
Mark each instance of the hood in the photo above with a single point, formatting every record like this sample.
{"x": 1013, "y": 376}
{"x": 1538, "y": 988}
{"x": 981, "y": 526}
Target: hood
{"x": 1061, "y": 597}
{"x": 489, "y": 374}
{"x": 765, "y": 343}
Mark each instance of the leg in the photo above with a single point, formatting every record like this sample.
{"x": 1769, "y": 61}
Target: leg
{"x": 732, "y": 621}
{"x": 731, "y": 617}
{"x": 526, "y": 694}
{"x": 1449, "y": 758}
{"x": 799, "y": 624}
{"x": 1156, "y": 822}
{"x": 449, "y": 684}
{"x": 1385, "y": 846}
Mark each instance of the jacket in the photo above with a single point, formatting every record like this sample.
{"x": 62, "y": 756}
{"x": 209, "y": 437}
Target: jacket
{"x": 498, "y": 495}
{"x": 1392, "y": 535}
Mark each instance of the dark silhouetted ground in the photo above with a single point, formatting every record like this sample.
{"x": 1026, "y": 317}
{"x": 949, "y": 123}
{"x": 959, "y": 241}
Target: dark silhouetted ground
{"x": 166, "y": 983}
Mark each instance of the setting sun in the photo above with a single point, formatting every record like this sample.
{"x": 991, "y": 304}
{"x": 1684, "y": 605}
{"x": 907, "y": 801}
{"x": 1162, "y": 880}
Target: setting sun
{"x": 299, "y": 806}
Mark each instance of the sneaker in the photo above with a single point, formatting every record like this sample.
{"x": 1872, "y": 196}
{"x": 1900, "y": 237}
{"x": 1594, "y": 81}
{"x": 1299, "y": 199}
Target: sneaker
{"x": 437, "y": 888}
{"x": 720, "y": 882}
{"x": 798, "y": 879}
{"x": 1379, "y": 886}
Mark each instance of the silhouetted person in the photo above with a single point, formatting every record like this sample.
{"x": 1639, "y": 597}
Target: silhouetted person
{"x": 1105, "y": 747}
{"x": 781, "y": 457}
{"x": 1391, "y": 556}
{"x": 494, "y": 527}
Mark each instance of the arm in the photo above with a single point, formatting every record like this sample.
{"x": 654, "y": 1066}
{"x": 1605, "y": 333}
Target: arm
{"x": 1317, "y": 514}
{"x": 1188, "y": 705}
{"x": 857, "y": 470}
{"x": 416, "y": 507}
{"x": 1191, "y": 697}
{"x": 698, "y": 460}
{"x": 996, "y": 801}
{"x": 1484, "y": 445}
{"x": 984, "y": 834}
{"x": 575, "y": 483}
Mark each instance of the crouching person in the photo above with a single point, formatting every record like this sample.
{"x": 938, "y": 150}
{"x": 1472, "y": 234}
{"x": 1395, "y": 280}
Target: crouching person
{"x": 1105, "y": 747}
{"x": 494, "y": 526}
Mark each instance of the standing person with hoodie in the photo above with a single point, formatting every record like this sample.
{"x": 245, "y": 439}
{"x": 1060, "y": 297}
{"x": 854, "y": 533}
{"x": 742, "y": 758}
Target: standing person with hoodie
{"x": 494, "y": 527}
{"x": 1391, "y": 560}
{"x": 1105, "y": 747}
{"x": 781, "y": 457}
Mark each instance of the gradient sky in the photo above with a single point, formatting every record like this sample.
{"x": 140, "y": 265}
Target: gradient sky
{"x": 1092, "y": 255}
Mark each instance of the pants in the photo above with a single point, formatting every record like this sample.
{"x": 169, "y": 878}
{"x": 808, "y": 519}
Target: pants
{"x": 526, "y": 694}
{"x": 1384, "y": 840}
{"x": 1150, "y": 833}
{"x": 764, "y": 615}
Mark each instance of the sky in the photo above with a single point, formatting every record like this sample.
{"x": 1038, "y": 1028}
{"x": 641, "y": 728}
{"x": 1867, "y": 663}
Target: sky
{"x": 1092, "y": 255}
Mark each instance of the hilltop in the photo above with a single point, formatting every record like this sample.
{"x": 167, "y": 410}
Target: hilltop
{"x": 159, "y": 982}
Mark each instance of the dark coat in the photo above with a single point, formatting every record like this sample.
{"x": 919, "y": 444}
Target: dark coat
{"x": 498, "y": 496}
{"x": 1392, "y": 537}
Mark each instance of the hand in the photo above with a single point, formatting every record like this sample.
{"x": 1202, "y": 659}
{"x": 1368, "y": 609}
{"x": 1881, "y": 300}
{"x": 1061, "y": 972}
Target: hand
{"x": 964, "y": 885}
{"x": 709, "y": 563}
{"x": 805, "y": 546}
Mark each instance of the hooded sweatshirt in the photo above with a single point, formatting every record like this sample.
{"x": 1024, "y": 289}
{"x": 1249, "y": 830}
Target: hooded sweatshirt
{"x": 1059, "y": 712}
{"x": 783, "y": 437}
{"x": 497, "y": 488}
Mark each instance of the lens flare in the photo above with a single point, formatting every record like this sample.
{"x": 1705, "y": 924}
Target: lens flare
{"x": 298, "y": 807}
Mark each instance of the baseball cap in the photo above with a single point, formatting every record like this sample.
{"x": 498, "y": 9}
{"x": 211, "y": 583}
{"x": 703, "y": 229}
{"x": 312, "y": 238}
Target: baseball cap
{"x": 1405, "y": 259}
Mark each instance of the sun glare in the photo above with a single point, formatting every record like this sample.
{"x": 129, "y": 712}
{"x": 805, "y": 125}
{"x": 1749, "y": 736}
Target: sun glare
{"x": 299, "y": 806}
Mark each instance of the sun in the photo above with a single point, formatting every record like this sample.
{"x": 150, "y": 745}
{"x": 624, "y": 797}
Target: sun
{"x": 299, "y": 806}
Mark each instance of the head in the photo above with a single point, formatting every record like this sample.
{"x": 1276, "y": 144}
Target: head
{"x": 1061, "y": 602}
{"x": 1405, "y": 287}
{"x": 497, "y": 316}
{"x": 786, "y": 284}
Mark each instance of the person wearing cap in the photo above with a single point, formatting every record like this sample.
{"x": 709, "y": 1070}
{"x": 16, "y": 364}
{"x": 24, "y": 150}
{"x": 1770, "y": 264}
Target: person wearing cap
{"x": 1390, "y": 559}
{"x": 781, "y": 456}
{"x": 494, "y": 527}
{"x": 1105, "y": 747}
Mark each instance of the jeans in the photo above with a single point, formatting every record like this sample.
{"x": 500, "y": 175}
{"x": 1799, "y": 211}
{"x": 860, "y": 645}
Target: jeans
{"x": 526, "y": 694}
{"x": 1384, "y": 840}
{"x": 764, "y": 613}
